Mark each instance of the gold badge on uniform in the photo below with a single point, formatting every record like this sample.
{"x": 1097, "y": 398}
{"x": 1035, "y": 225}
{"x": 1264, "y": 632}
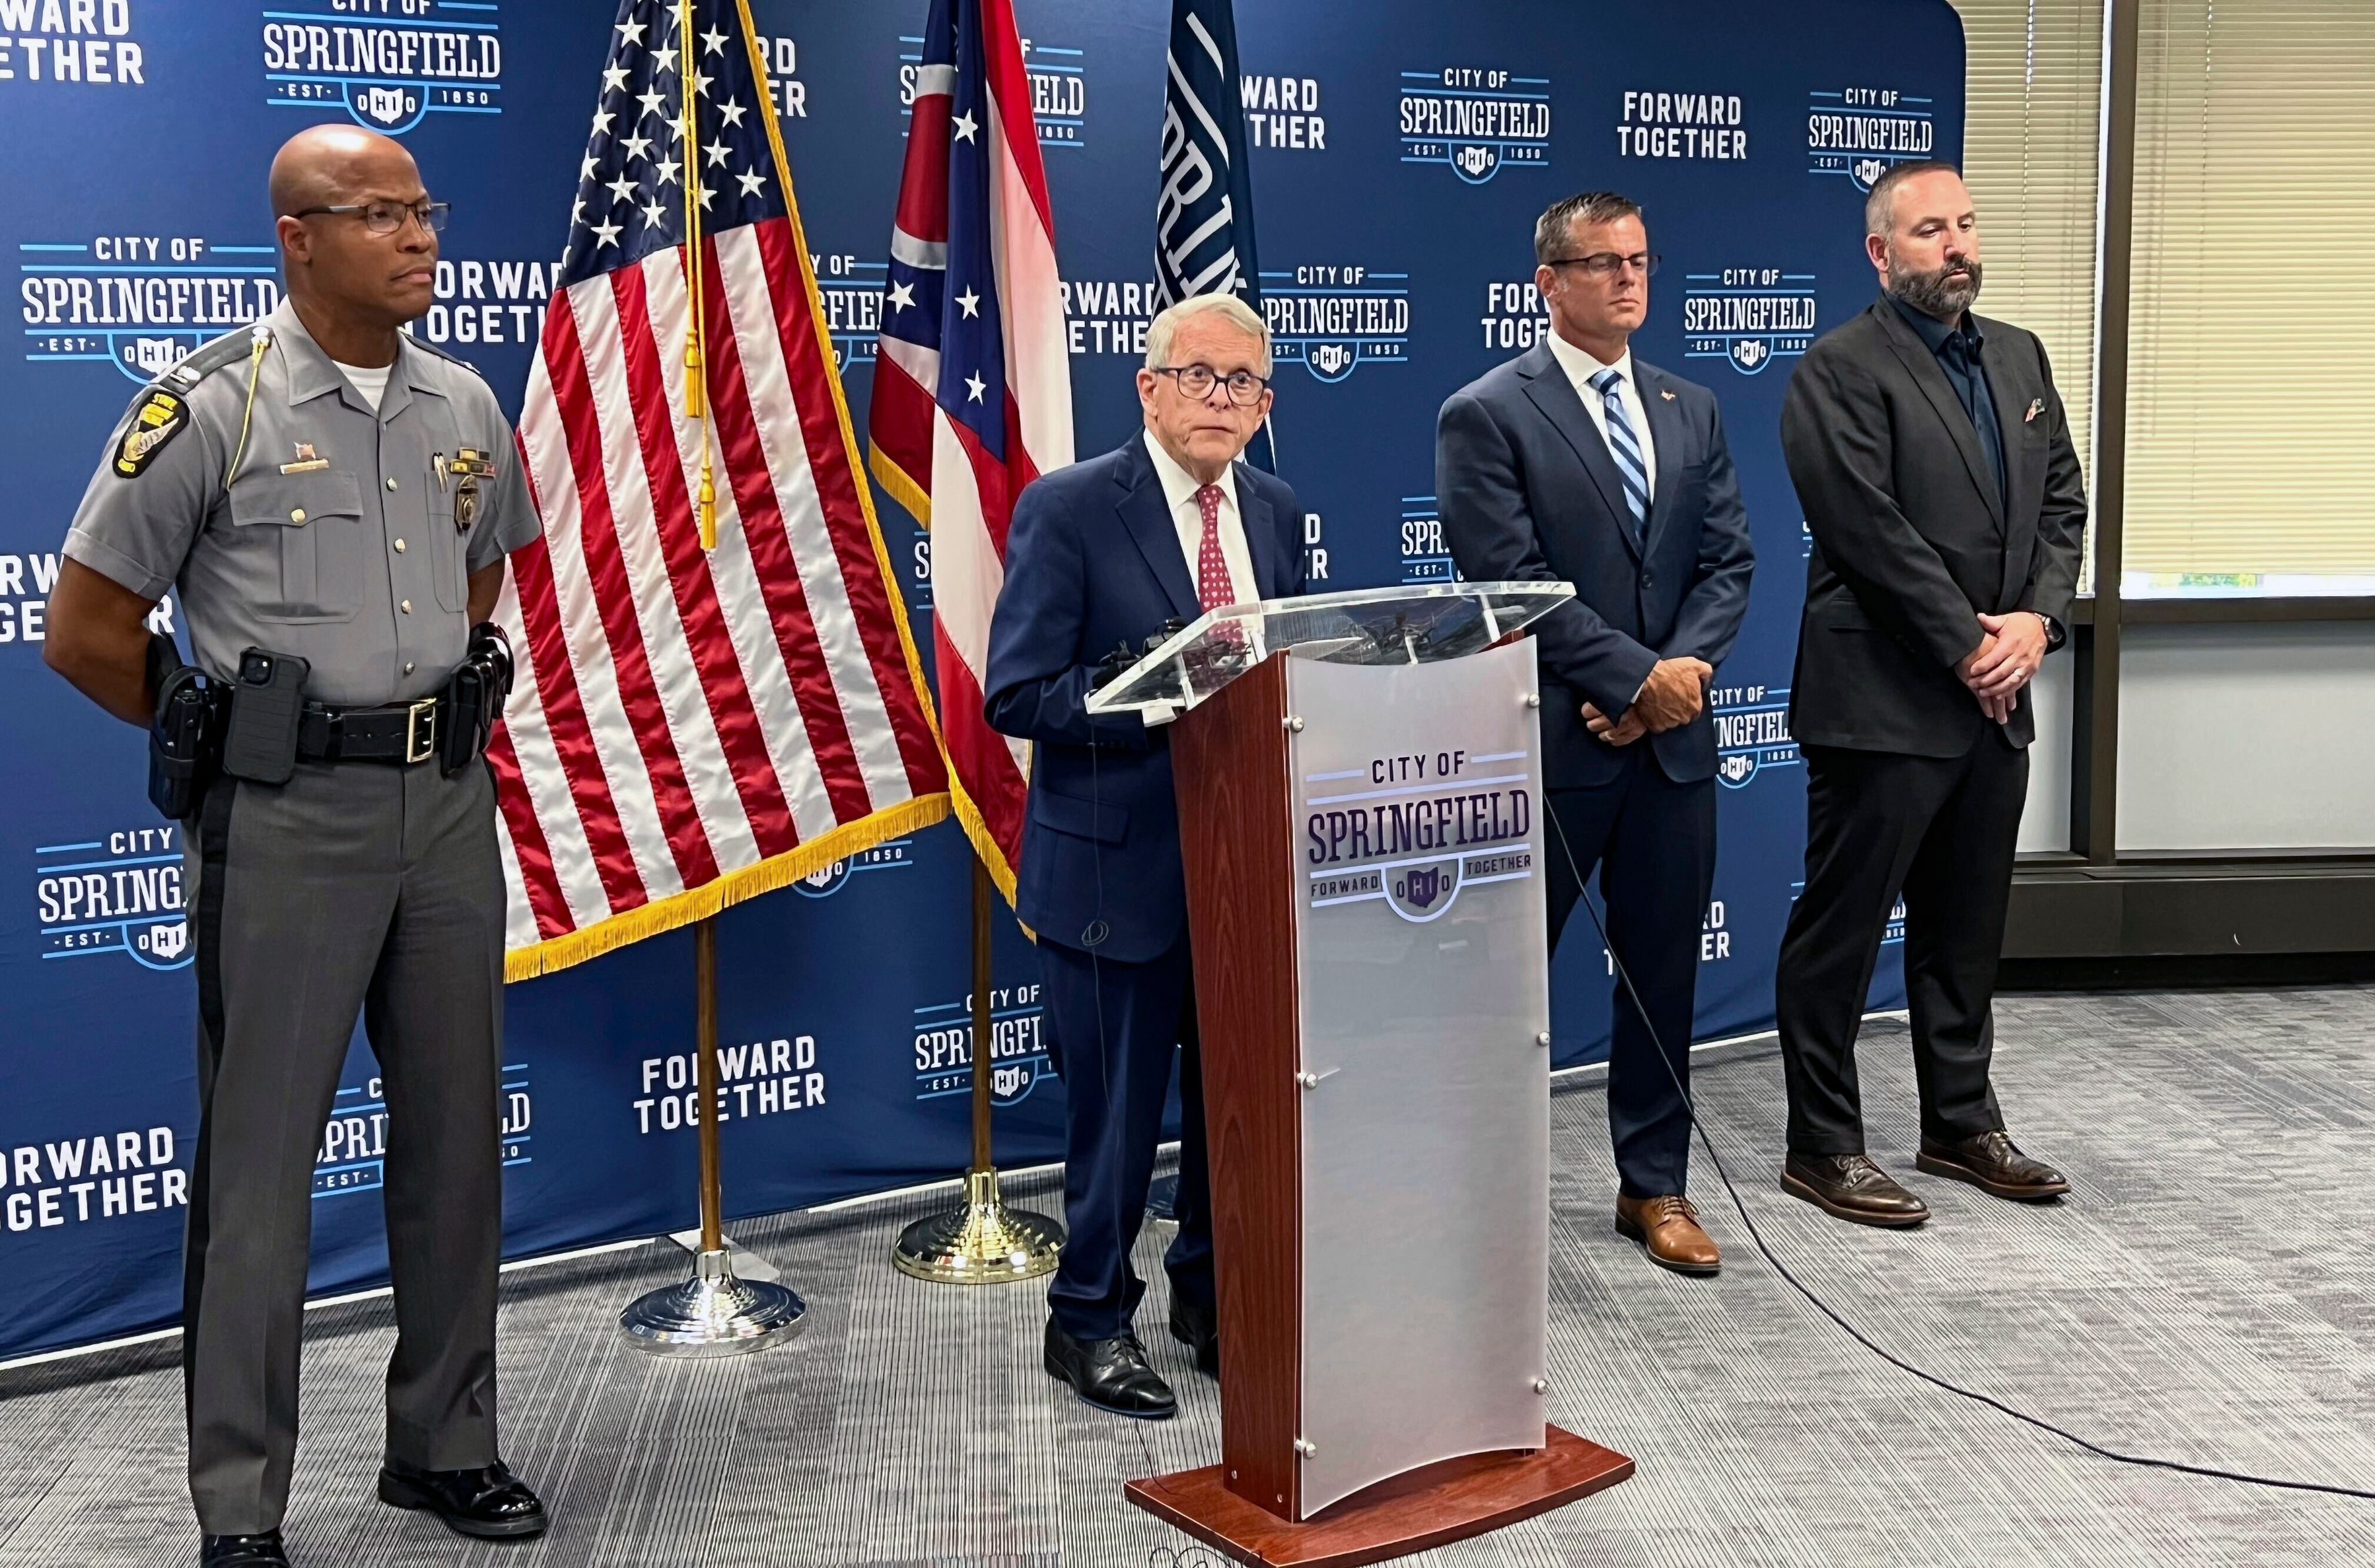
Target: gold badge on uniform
{"x": 158, "y": 419}
{"x": 307, "y": 462}
{"x": 469, "y": 466}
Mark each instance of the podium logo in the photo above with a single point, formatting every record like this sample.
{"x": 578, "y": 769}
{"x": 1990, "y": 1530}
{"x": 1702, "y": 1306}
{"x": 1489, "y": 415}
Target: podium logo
{"x": 1415, "y": 890}
{"x": 1415, "y": 830}
{"x": 119, "y": 893}
{"x": 387, "y": 64}
{"x": 1476, "y": 120}
{"x": 1748, "y": 315}
{"x": 892, "y": 856}
{"x": 1019, "y": 1059}
{"x": 353, "y": 1155}
{"x": 1752, "y": 732}
{"x": 138, "y": 301}
{"x": 1333, "y": 318}
{"x": 1856, "y": 133}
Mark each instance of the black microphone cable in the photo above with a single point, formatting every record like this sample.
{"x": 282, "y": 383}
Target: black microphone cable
{"x": 1858, "y": 1335}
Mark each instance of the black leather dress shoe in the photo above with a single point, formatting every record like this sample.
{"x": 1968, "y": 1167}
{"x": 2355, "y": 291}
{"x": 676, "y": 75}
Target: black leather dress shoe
{"x": 491, "y": 1502}
{"x": 243, "y": 1551}
{"x": 1111, "y": 1375}
{"x": 1198, "y": 1328}
{"x": 1993, "y": 1162}
{"x": 1853, "y": 1188}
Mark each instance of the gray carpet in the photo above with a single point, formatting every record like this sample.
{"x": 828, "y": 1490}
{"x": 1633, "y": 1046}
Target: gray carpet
{"x": 2203, "y": 1294}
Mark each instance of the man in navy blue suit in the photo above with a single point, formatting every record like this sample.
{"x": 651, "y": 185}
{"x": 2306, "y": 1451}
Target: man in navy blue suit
{"x": 1577, "y": 463}
{"x": 1101, "y": 555}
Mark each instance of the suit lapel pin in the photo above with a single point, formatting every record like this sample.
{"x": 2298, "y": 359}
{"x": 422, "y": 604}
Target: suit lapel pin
{"x": 1669, "y": 396}
{"x": 2036, "y": 407}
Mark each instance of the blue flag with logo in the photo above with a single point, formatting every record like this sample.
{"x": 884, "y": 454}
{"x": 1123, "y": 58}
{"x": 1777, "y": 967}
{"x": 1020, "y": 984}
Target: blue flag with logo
{"x": 1204, "y": 207}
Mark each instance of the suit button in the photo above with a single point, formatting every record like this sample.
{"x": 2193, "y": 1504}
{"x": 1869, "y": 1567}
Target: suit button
{"x": 1647, "y": 581}
{"x": 399, "y": 547}
{"x": 406, "y": 607}
{"x": 297, "y": 514}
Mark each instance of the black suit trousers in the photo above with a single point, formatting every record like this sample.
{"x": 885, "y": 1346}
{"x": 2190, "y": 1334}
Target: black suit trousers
{"x": 1942, "y": 830}
{"x": 1653, "y": 841}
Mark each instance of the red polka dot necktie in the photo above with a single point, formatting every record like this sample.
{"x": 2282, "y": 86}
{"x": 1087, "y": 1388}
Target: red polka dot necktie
{"x": 1212, "y": 587}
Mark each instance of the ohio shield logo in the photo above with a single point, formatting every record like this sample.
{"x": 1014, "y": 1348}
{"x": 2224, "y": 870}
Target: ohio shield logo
{"x": 153, "y": 355}
{"x": 1750, "y": 353}
{"x": 1331, "y": 361}
{"x": 1736, "y": 771}
{"x": 1421, "y": 892}
{"x": 165, "y": 944}
{"x": 386, "y": 106}
{"x": 823, "y": 884}
{"x": 1866, "y": 172}
{"x": 1476, "y": 163}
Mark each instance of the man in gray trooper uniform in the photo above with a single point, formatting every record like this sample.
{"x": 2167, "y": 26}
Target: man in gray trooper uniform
{"x": 325, "y": 487}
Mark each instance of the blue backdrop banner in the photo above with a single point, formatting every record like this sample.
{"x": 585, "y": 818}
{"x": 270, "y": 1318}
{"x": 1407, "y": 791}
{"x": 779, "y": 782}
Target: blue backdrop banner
{"x": 1401, "y": 150}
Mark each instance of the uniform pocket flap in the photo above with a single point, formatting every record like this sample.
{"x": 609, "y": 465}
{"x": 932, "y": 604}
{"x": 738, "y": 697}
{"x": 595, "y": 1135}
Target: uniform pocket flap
{"x": 1105, "y": 822}
{"x": 294, "y": 499}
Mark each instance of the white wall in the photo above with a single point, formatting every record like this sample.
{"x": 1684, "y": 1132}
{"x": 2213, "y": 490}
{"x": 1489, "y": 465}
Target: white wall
{"x": 2249, "y": 737}
{"x": 2045, "y": 822}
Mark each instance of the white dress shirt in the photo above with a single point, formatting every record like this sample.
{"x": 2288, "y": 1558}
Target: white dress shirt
{"x": 1179, "y": 488}
{"x": 1580, "y": 367}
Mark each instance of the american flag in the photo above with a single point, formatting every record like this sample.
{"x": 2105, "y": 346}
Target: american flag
{"x": 691, "y": 727}
{"x": 973, "y": 391}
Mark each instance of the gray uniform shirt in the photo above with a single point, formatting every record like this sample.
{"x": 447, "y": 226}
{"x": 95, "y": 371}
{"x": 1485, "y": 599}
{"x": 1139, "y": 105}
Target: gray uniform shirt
{"x": 344, "y": 537}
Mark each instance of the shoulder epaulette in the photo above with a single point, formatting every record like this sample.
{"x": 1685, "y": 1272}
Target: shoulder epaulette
{"x": 206, "y": 359}
{"x": 423, "y": 344}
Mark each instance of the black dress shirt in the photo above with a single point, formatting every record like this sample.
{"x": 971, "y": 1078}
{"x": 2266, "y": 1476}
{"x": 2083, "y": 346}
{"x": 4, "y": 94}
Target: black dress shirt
{"x": 1957, "y": 346}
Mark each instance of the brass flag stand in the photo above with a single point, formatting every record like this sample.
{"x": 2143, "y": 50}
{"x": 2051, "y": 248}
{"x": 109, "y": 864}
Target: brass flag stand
{"x": 713, "y": 1313}
{"x": 981, "y": 1241}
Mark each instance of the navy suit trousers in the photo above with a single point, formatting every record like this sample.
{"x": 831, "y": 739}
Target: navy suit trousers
{"x": 1113, "y": 1027}
{"x": 1653, "y": 841}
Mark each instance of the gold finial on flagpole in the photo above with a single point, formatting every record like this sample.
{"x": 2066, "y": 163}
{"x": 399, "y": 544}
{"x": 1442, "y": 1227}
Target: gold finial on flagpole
{"x": 696, "y": 335}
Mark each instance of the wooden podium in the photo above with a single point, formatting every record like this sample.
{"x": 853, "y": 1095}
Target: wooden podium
{"x": 1359, "y": 786}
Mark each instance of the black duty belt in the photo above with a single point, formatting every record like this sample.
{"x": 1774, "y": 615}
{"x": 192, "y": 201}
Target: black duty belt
{"x": 403, "y": 733}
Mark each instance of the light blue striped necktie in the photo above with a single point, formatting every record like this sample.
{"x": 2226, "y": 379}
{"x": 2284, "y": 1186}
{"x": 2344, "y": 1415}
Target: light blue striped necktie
{"x": 1625, "y": 448}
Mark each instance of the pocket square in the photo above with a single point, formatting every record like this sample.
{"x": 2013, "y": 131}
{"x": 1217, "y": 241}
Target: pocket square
{"x": 2036, "y": 407}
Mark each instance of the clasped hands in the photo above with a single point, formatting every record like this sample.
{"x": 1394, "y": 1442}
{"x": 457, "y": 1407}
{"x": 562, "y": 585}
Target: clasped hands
{"x": 2006, "y": 659}
{"x": 1672, "y": 695}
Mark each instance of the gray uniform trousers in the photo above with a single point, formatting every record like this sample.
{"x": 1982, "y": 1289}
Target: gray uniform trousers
{"x": 354, "y": 886}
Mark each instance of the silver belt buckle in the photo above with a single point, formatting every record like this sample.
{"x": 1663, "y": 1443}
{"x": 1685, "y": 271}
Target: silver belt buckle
{"x": 421, "y": 731}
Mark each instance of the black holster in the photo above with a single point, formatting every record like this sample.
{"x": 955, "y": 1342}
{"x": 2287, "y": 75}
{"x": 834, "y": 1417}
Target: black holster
{"x": 184, "y": 737}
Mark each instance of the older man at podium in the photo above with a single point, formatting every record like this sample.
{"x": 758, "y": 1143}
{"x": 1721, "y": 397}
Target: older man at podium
{"x": 1101, "y": 555}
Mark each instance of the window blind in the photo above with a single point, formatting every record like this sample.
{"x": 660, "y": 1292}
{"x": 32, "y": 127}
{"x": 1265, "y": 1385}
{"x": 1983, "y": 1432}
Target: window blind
{"x": 2252, "y": 380}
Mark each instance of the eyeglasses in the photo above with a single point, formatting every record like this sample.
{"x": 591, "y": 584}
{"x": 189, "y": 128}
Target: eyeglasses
{"x": 1605, "y": 263}
{"x": 386, "y": 218}
{"x": 1245, "y": 388}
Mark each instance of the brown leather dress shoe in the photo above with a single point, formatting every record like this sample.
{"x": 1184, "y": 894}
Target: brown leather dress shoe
{"x": 1853, "y": 1188}
{"x": 1993, "y": 1163}
{"x": 1667, "y": 1229}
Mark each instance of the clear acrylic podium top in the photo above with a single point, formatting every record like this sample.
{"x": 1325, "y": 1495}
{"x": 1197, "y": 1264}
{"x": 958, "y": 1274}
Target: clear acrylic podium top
{"x": 1376, "y": 625}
